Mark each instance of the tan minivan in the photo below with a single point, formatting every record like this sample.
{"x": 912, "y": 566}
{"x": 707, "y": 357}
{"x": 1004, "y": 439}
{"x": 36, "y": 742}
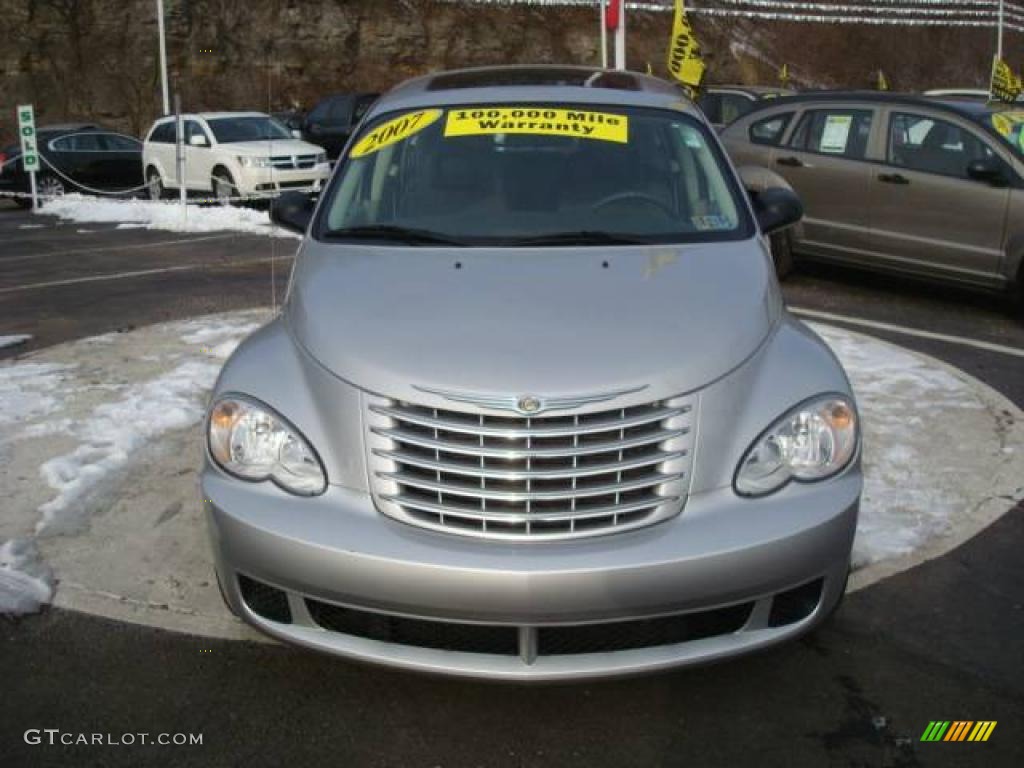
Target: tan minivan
{"x": 894, "y": 182}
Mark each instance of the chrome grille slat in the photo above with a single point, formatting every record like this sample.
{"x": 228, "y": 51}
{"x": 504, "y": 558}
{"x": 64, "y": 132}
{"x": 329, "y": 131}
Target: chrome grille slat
{"x": 496, "y": 515}
{"x": 488, "y": 473}
{"x": 476, "y": 447}
{"x": 464, "y": 427}
{"x": 474, "y": 491}
{"x": 571, "y": 473}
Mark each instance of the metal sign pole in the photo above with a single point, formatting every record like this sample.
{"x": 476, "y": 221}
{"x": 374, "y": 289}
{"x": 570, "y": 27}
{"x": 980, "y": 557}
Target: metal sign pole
{"x": 604, "y": 37}
{"x": 29, "y": 149}
{"x": 163, "y": 54}
{"x": 999, "y": 41}
{"x": 179, "y": 130}
{"x": 620, "y": 39}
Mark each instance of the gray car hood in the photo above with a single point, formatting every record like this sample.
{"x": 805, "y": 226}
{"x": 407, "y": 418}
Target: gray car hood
{"x": 554, "y": 321}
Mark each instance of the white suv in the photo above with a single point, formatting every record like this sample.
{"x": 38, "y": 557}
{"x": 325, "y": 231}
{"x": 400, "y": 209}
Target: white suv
{"x": 231, "y": 154}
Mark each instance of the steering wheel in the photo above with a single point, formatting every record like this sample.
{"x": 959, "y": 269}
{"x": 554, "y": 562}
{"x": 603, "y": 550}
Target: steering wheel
{"x": 619, "y": 197}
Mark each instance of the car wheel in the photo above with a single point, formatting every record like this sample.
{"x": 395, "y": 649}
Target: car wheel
{"x": 224, "y": 187}
{"x": 782, "y": 253}
{"x": 154, "y": 185}
{"x": 50, "y": 186}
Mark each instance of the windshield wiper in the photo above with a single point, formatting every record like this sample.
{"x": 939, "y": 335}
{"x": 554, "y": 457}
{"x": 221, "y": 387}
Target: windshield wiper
{"x": 581, "y": 237}
{"x": 390, "y": 232}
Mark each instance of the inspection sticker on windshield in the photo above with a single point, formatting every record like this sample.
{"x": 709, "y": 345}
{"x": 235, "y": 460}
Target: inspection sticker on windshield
{"x": 543, "y": 121}
{"x": 394, "y": 131}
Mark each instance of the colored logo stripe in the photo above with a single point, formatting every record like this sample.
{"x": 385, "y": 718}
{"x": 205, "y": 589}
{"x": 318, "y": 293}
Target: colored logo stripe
{"x": 958, "y": 730}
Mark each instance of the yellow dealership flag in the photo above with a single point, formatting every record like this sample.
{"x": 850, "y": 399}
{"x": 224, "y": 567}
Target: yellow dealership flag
{"x": 684, "y": 61}
{"x": 882, "y": 84}
{"x": 1005, "y": 85}
{"x": 784, "y": 75}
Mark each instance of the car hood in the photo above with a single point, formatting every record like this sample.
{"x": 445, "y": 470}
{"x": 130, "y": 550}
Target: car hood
{"x": 559, "y": 321}
{"x": 275, "y": 147}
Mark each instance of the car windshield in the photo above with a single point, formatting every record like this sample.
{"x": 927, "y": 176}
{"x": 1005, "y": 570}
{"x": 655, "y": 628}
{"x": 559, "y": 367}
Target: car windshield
{"x": 228, "y": 130}
{"x": 1009, "y": 124}
{"x": 524, "y": 174}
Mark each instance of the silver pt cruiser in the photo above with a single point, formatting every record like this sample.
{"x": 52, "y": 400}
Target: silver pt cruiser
{"x": 533, "y": 409}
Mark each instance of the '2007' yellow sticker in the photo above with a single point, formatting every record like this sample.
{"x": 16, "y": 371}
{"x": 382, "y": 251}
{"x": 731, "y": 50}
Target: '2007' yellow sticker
{"x": 545, "y": 121}
{"x": 394, "y": 131}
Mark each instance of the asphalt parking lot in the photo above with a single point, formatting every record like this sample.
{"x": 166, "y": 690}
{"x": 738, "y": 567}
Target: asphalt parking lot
{"x": 940, "y": 641}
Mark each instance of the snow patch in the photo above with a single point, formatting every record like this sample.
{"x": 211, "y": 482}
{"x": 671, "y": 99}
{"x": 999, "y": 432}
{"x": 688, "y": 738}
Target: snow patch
{"x": 14, "y": 340}
{"x": 25, "y": 583}
{"x": 29, "y": 391}
{"x": 165, "y": 216}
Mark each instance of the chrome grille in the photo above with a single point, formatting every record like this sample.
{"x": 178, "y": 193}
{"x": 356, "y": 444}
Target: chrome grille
{"x": 550, "y": 476}
{"x": 290, "y": 162}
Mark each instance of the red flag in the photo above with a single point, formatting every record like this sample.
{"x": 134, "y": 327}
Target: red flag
{"x": 611, "y": 15}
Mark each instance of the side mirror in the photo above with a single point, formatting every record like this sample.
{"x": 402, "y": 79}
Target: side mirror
{"x": 988, "y": 170}
{"x": 197, "y": 140}
{"x": 292, "y": 210}
{"x": 296, "y": 133}
{"x": 776, "y": 208}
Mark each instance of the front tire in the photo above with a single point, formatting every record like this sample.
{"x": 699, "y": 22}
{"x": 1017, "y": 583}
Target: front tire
{"x": 49, "y": 186}
{"x": 224, "y": 187}
{"x": 154, "y": 185}
{"x": 782, "y": 253}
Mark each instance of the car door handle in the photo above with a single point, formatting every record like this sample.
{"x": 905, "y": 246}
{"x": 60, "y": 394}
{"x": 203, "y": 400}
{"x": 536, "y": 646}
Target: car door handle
{"x": 893, "y": 178}
{"x": 792, "y": 162}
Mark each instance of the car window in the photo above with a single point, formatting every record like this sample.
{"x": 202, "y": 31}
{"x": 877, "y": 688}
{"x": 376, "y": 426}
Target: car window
{"x": 711, "y": 105}
{"x": 164, "y": 133}
{"x": 1009, "y": 124}
{"x": 734, "y": 106}
{"x": 924, "y": 143}
{"x": 840, "y": 132}
{"x": 500, "y": 175}
{"x": 115, "y": 142}
{"x": 319, "y": 112}
{"x": 228, "y": 130}
{"x": 78, "y": 142}
{"x": 341, "y": 110}
{"x": 770, "y": 129}
{"x": 193, "y": 128}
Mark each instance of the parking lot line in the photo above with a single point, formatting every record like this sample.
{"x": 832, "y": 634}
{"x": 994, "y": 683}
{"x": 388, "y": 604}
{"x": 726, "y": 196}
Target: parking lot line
{"x": 104, "y": 249}
{"x": 142, "y": 273}
{"x": 916, "y": 332}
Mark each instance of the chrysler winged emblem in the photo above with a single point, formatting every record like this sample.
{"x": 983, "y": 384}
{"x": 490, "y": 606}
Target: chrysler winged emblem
{"x": 529, "y": 405}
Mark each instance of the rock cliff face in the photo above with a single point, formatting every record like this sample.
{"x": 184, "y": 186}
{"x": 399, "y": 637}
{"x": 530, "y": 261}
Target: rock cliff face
{"x": 97, "y": 59}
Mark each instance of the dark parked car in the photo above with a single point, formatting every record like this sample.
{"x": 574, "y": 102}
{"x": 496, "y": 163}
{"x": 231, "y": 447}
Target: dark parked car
{"x": 722, "y": 104}
{"x": 332, "y": 120}
{"x": 76, "y": 157}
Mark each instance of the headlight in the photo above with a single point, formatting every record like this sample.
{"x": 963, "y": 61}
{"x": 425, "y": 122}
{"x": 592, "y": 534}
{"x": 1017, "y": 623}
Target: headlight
{"x": 247, "y": 161}
{"x": 813, "y": 441}
{"x": 253, "y": 443}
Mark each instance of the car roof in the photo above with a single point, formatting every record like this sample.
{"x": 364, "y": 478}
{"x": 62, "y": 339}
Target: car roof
{"x": 966, "y": 107}
{"x": 755, "y": 90}
{"x": 210, "y": 115}
{"x": 539, "y": 83}
{"x": 71, "y": 127}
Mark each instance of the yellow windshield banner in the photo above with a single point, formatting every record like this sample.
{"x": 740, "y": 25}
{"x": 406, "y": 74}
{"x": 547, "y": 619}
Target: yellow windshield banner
{"x": 394, "y": 131}
{"x": 1011, "y": 126}
{"x": 542, "y": 121}
{"x": 1005, "y": 86}
{"x": 684, "y": 60}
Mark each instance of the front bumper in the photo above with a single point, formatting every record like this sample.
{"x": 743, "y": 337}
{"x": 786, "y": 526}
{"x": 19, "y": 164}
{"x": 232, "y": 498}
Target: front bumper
{"x": 272, "y": 180}
{"x": 721, "y": 565}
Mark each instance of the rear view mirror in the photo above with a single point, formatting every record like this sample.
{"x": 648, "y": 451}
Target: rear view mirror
{"x": 776, "y": 208}
{"x": 293, "y": 210}
{"x": 989, "y": 170}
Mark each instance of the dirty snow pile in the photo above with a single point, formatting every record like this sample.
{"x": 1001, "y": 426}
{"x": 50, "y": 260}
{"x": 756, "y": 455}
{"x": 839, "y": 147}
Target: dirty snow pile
{"x": 104, "y": 423}
{"x": 165, "y": 215}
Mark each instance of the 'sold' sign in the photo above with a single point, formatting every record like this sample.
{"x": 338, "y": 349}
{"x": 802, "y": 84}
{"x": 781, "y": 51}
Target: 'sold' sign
{"x": 27, "y": 132}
